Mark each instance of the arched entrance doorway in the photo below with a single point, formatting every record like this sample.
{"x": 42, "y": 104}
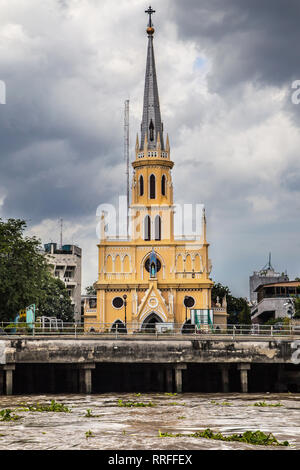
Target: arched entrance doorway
{"x": 118, "y": 326}
{"x": 150, "y": 322}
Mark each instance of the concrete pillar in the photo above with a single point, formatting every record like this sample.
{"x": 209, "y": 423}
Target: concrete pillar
{"x": 178, "y": 380}
{"x": 243, "y": 368}
{"x": 225, "y": 377}
{"x": 178, "y": 377}
{"x": 169, "y": 380}
{"x": 85, "y": 378}
{"x": 9, "y": 369}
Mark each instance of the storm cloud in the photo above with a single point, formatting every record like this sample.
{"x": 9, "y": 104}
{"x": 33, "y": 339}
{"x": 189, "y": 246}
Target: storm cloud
{"x": 225, "y": 72}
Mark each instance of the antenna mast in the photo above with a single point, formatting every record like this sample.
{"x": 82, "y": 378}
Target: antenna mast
{"x": 126, "y": 155}
{"x": 61, "y": 233}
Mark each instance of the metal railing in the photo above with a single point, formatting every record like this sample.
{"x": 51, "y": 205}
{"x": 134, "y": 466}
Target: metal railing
{"x": 158, "y": 330}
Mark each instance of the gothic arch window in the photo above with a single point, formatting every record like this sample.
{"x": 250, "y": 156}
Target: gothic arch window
{"x": 147, "y": 264}
{"x": 119, "y": 326}
{"x": 152, "y": 187}
{"x": 150, "y": 321}
{"x": 157, "y": 225}
{"x": 188, "y": 264}
{"x": 141, "y": 185}
{"x": 163, "y": 185}
{"x": 151, "y": 129}
{"x": 147, "y": 228}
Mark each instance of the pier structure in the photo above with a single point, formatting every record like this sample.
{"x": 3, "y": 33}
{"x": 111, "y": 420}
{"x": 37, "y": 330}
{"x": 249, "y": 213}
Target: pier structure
{"x": 93, "y": 365}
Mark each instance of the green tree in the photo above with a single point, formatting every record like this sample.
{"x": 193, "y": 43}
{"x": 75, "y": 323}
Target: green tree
{"x": 273, "y": 321}
{"x": 22, "y": 268}
{"x": 24, "y": 275}
{"x": 244, "y": 316}
{"x": 235, "y": 305}
{"x": 54, "y": 300}
{"x": 90, "y": 290}
{"x": 297, "y": 307}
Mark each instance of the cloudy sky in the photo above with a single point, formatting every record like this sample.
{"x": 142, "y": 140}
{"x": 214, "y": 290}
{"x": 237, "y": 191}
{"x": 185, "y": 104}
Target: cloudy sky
{"x": 225, "y": 73}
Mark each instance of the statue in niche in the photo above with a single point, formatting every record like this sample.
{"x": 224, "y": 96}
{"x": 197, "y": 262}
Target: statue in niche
{"x": 153, "y": 264}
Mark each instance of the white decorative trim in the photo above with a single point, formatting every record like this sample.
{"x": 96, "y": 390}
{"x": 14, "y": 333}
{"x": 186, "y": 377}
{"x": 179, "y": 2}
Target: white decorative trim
{"x": 148, "y": 312}
{"x": 153, "y": 302}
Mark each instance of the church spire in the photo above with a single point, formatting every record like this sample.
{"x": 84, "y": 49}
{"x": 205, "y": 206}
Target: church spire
{"x": 151, "y": 123}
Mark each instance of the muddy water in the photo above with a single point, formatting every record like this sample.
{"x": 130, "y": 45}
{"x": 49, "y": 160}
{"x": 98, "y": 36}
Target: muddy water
{"x": 120, "y": 428}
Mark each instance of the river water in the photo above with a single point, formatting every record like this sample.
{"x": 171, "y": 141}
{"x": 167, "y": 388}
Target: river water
{"x": 123, "y": 428}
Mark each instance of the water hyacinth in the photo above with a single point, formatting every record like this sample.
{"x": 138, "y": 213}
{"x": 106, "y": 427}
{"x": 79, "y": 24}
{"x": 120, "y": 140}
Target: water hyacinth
{"x": 6, "y": 415}
{"x": 249, "y": 437}
{"x": 53, "y": 407}
{"x": 131, "y": 404}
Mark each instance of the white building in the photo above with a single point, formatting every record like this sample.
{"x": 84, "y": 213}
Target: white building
{"x": 66, "y": 265}
{"x": 266, "y": 275}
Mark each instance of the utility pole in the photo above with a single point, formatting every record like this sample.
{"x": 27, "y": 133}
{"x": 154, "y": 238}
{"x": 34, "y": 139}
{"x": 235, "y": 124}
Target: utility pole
{"x": 126, "y": 156}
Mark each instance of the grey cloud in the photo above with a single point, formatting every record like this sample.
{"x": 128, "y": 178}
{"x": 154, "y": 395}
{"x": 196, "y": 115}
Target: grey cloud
{"x": 61, "y": 131}
{"x": 291, "y": 181}
{"x": 249, "y": 40}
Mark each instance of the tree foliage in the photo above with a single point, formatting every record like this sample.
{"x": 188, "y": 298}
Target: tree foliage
{"x": 24, "y": 272}
{"x": 237, "y": 307}
{"x": 297, "y": 307}
{"x": 90, "y": 290}
{"x": 22, "y": 267}
{"x": 55, "y": 301}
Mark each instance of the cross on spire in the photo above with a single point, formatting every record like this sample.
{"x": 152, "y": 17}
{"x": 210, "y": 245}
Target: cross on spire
{"x": 152, "y": 128}
{"x": 150, "y": 13}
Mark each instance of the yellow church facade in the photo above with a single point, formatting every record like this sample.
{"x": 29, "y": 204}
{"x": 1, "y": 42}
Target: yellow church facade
{"x": 152, "y": 278}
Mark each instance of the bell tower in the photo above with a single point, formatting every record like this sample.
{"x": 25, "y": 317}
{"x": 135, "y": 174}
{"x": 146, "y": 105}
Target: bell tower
{"x": 152, "y": 187}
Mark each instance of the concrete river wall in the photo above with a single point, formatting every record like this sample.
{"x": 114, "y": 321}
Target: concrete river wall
{"x": 106, "y": 364}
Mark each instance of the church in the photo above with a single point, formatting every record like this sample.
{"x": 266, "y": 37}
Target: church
{"x": 152, "y": 279}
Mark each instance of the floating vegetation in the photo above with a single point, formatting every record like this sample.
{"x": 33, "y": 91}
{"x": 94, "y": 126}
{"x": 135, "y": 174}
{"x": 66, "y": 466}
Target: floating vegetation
{"x": 171, "y": 394}
{"x": 137, "y": 394}
{"x": 6, "y": 415}
{"x": 89, "y": 414}
{"x": 167, "y": 434}
{"x": 131, "y": 404}
{"x": 54, "y": 407}
{"x": 89, "y": 434}
{"x": 249, "y": 437}
{"x": 181, "y": 417}
{"x": 224, "y": 403}
{"x": 175, "y": 403}
{"x": 263, "y": 403}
